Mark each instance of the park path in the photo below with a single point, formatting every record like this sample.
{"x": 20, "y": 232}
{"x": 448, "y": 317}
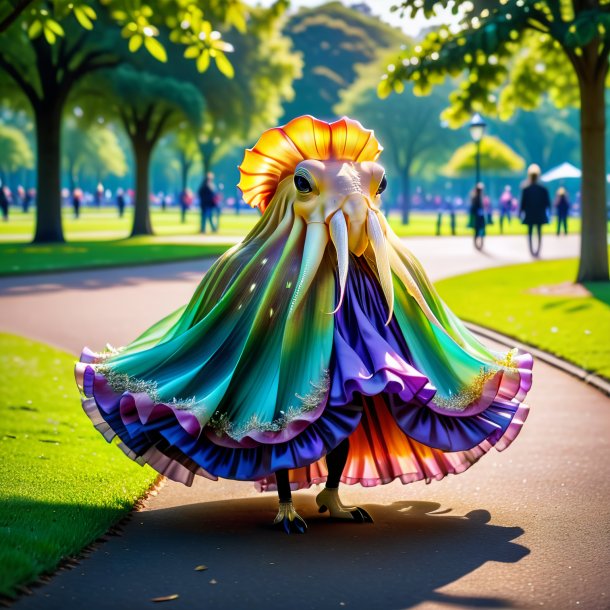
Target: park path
{"x": 522, "y": 529}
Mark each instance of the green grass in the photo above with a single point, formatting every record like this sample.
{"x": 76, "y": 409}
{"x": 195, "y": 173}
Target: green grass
{"x": 574, "y": 328}
{"x": 101, "y": 224}
{"x": 16, "y": 258}
{"x": 62, "y": 485}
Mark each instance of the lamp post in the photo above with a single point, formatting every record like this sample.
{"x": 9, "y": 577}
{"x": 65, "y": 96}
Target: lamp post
{"x": 477, "y": 129}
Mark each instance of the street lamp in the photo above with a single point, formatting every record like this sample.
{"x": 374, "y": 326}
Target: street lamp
{"x": 477, "y": 129}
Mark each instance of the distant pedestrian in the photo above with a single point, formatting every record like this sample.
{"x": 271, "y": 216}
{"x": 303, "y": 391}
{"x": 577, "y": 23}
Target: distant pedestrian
{"x": 535, "y": 207}
{"x": 446, "y": 207}
{"x": 477, "y": 219}
{"x": 98, "y": 196}
{"x": 4, "y": 202}
{"x": 207, "y": 204}
{"x": 562, "y": 208}
{"x": 77, "y": 199}
{"x": 186, "y": 199}
{"x": 507, "y": 202}
{"x": 30, "y": 195}
{"x": 120, "y": 202}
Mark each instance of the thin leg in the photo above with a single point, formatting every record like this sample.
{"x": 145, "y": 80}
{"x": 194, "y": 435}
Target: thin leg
{"x": 328, "y": 499}
{"x": 335, "y": 461}
{"x": 287, "y": 517}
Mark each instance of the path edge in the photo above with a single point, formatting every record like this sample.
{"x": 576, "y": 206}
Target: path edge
{"x": 599, "y": 383}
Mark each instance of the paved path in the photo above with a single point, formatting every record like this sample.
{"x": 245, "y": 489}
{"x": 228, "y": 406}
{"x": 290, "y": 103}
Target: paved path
{"x": 522, "y": 529}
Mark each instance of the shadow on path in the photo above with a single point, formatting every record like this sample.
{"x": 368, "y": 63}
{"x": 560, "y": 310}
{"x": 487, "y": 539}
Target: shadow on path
{"x": 413, "y": 549}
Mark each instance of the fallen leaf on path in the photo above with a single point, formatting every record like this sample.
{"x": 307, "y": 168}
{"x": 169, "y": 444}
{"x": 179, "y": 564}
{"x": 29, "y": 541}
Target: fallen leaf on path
{"x": 165, "y": 598}
{"x": 201, "y": 568}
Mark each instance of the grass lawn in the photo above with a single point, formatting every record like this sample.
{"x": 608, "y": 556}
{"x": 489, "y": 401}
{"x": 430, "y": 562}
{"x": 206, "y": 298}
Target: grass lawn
{"x": 18, "y": 258}
{"x": 62, "y": 485}
{"x": 104, "y": 223}
{"x": 576, "y": 328}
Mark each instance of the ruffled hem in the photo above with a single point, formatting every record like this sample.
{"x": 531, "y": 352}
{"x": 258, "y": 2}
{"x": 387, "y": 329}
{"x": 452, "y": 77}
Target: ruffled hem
{"x": 402, "y": 458}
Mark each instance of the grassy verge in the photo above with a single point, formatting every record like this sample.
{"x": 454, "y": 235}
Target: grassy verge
{"x": 104, "y": 223}
{"x": 62, "y": 485}
{"x": 17, "y": 259}
{"x": 576, "y": 328}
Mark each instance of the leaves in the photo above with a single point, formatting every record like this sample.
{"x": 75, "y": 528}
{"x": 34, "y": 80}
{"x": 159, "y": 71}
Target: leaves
{"x": 155, "y": 48}
{"x": 224, "y": 65}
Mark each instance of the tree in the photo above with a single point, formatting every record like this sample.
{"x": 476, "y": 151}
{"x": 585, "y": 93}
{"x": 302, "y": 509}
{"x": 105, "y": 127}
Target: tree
{"x": 527, "y": 49}
{"x": 496, "y": 158}
{"x": 149, "y": 106}
{"x": 334, "y": 40}
{"x": 92, "y": 150}
{"x": 409, "y": 127}
{"x": 15, "y": 152}
{"x": 49, "y": 48}
{"x": 185, "y": 144}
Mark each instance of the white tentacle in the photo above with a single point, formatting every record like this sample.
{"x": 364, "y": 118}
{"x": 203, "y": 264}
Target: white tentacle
{"x": 378, "y": 243}
{"x": 316, "y": 239}
{"x": 339, "y": 237}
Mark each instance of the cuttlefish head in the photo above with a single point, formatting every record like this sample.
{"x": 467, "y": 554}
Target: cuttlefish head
{"x": 339, "y": 201}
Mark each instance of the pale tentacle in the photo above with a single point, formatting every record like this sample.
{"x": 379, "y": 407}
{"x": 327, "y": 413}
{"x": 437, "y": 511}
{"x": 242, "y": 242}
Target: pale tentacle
{"x": 339, "y": 237}
{"x": 316, "y": 240}
{"x": 378, "y": 243}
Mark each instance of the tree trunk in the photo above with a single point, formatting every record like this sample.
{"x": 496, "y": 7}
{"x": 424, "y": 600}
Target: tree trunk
{"x": 48, "y": 185}
{"x": 405, "y": 179}
{"x": 141, "y": 219}
{"x": 185, "y": 167}
{"x": 593, "y": 265}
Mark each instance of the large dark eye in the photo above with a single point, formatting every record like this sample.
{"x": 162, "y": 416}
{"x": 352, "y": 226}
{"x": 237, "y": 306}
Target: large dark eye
{"x": 302, "y": 184}
{"x": 382, "y": 185}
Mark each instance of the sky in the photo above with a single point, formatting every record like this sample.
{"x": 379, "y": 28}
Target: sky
{"x": 380, "y": 8}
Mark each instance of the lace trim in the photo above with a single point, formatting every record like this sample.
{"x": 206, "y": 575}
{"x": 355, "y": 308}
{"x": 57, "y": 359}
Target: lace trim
{"x": 473, "y": 392}
{"x": 222, "y": 425}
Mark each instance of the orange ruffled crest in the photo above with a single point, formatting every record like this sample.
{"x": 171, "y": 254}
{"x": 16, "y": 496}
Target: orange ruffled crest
{"x": 281, "y": 149}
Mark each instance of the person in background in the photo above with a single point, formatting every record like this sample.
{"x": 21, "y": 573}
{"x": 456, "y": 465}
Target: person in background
{"x": 120, "y": 202}
{"x": 506, "y": 206}
{"x": 488, "y": 212}
{"x": 77, "y": 198}
{"x": 4, "y": 202}
{"x": 562, "y": 208}
{"x": 98, "y": 196}
{"x": 30, "y": 195}
{"x": 186, "y": 199}
{"x": 535, "y": 207}
{"x": 207, "y": 203}
{"x": 477, "y": 219}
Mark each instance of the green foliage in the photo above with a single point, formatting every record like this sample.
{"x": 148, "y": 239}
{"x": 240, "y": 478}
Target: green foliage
{"x": 497, "y": 158}
{"x": 334, "y": 40}
{"x": 62, "y": 485}
{"x": 409, "y": 127}
{"x": 525, "y": 48}
{"x": 93, "y": 151}
{"x": 15, "y": 150}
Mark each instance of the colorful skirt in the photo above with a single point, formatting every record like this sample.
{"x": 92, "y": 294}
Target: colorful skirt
{"x": 217, "y": 390}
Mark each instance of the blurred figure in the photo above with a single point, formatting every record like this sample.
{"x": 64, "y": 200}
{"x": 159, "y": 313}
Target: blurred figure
{"x": 77, "y": 199}
{"x": 186, "y": 200}
{"x": 98, "y": 196}
{"x": 207, "y": 203}
{"x": 4, "y": 202}
{"x": 477, "y": 219}
{"x": 487, "y": 210}
{"x": 535, "y": 207}
{"x": 506, "y": 206}
{"x": 20, "y": 196}
{"x": 562, "y": 208}
{"x": 446, "y": 207}
{"x": 30, "y": 195}
{"x": 120, "y": 202}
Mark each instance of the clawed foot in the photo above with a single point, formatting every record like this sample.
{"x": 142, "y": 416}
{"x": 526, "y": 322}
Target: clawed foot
{"x": 289, "y": 520}
{"x": 328, "y": 500}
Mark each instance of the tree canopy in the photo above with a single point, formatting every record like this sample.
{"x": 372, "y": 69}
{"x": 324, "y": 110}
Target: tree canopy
{"x": 515, "y": 53}
{"x": 497, "y": 158}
